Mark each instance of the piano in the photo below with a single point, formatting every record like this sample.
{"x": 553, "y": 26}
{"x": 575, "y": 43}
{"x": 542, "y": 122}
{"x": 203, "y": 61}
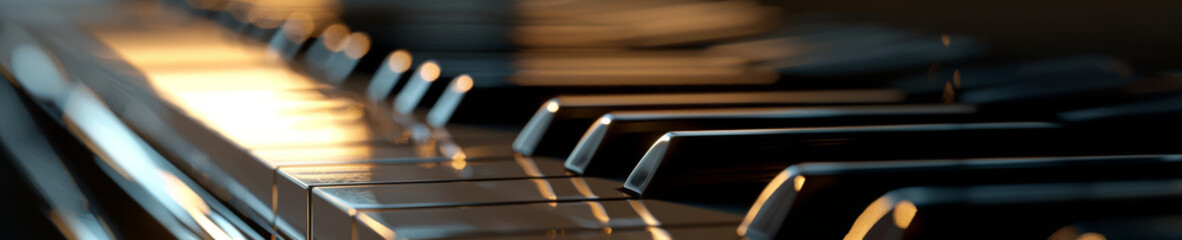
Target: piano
{"x": 610, "y": 119}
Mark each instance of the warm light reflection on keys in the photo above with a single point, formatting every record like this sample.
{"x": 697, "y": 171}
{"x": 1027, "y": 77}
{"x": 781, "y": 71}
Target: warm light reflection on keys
{"x": 245, "y": 94}
{"x": 228, "y": 79}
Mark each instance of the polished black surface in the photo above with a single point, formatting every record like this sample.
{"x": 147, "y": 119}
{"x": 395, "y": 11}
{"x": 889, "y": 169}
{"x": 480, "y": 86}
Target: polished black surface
{"x": 618, "y": 140}
{"x": 681, "y": 165}
{"x": 1026, "y": 211}
{"x": 536, "y": 218}
{"x": 556, "y": 127}
{"x": 820, "y": 200}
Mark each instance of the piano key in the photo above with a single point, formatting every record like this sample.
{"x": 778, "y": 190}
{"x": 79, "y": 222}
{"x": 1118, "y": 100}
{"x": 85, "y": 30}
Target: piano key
{"x": 1159, "y": 227}
{"x": 463, "y": 26}
{"x": 443, "y": 109}
{"x": 389, "y": 76}
{"x": 678, "y": 168}
{"x": 556, "y": 126}
{"x": 35, "y": 71}
{"x": 416, "y": 87}
{"x": 235, "y": 175}
{"x": 574, "y": 68}
{"x": 668, "y": 67}
{"x": 474, "y": 140}
{"x": 456, "y": 100}
{"x": 294, "y": 183}
{"x": 225, "y": 18}
{"x": 342, "y": 153}
{"x": 815, "y": 50}
{"x": 262, "y": 28}
{"x": 1154, "y": 112}
{"x": 339, "y": 65}
{"x": 649, "y": 233}
{"x": 1057, "y": 83}
{"x": 819, "y": 200}
{"x": 614, "y": 71}
{"x": 35, "y": 160}
{"x": 536, "y": 218}
{"x": 331, "y": 40}
{"x": 516, "y": 103}
{"x": 292, "y": 36}
{"x": 764, "y": 150}
{"x": 619, "y": 139}
{"x": 1027, "y": 211}
{"x": 504, "y": 97}
{"x": 464, "y": 98}
{"x": 1048, "y": 97}
{"x": 176, "y": 200}
{"x": 1061, "y": 69}
{"x": 495, "y": 25}
{"x": 264, "y": 16}
{"x": 334, "y": 208}
{"x": 655, "y": 26}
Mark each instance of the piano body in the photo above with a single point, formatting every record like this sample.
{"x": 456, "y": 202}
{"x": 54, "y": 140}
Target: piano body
{"x": 610, "y": 119}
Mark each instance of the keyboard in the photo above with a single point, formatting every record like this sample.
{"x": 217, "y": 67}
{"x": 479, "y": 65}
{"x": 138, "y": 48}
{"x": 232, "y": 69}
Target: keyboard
{"x": 526, "y": 119}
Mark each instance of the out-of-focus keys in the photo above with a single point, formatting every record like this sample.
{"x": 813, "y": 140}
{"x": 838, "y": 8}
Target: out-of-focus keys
{"x": 618, "y": 140}
{"x": 1154, "y": 113}
{"x": 498, "y": 25}
{"x": 416, "y": 87}
{"x": 292, "y": 36}
{"x": 1044, "y": 85}
{"x": 389, "y": 76}
{"x": 333, "y": 208}
{"x": 468, "y": 100}
{"x": 517, "y": 88}
{"x": 536, "y": 218}
{"x": 331, "y": 39}
{"x": 339, "y": 65}
{"x": 820, "y": 200}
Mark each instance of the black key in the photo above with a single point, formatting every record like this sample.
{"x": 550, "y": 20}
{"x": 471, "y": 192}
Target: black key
{"x": 1034, "y": 87}
{"x": 1157, "y": 227}
{"x": 1149, "y": 113}
{"x": 686, "y": 163}
{"x": 612, "y": 146}
{"x": 330, "y": 41}
{"x": 292, "y": 37}
{"x": 557, "y": 125}
{"x": 820, "y": 200}
{"x": 389, "y": 77}
{"x": 1023, "y": 211}
{"x": 412, "y": 94}
{"x": 340, "y": 64}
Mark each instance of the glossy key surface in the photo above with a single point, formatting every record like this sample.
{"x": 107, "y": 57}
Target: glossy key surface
{"x": 537, "y": 218}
